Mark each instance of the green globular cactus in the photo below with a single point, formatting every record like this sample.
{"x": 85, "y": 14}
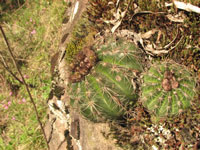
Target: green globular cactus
{"x": 109, "y": 88}
{"x": 168, "y": 89}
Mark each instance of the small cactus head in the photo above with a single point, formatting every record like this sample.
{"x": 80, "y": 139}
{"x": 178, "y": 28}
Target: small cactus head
{"x": 106, "y": 89}
{"x": 168, "y": 89}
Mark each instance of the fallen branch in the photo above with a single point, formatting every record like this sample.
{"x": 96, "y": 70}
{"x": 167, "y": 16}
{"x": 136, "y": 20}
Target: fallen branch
{"x": 26, "y": 85}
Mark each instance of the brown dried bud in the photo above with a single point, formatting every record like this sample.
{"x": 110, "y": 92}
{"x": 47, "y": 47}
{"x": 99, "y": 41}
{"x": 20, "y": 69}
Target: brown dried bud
{"x": 83, "y": 71}
{"x": 80, "y": 56}
{"x": 168, "y": 74}
{"x": 77, "y": 75}
{"x": 86, "y": 60}
{"x": 77, "y": 69}
{"x": 72, "y": 66}
{"x": 74, "y": 79}
{"x": 88, "y": 65}
{"x": 82, "y": 64}
{"x": 88, "y": 52}
{"x": 166, "y": 85}
{"x": 174, "y": 84}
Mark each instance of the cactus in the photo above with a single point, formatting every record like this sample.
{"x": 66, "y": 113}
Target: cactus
{"x": 168, "y": 89}
{"x": 108, "y": 89}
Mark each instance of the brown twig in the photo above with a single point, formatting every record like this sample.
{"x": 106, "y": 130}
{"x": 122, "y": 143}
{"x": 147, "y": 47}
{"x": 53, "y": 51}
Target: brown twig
{"x": 24, "y": 82}
{"x": 5, "y": 65}
{"x": 9, "y": 71}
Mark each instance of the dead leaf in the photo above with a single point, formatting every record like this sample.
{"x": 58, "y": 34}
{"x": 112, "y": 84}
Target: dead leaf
{"x": 184, "y": 6}
{"x": 148, "y": 34}
{"x": 175, "y": 18}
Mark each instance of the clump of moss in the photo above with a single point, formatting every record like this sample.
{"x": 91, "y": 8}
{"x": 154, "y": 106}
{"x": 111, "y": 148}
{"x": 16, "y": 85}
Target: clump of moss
{"x": 82, "y": 35}
{"x": 73, "y": 47}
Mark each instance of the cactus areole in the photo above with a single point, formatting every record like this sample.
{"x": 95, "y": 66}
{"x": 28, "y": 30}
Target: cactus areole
{"x": 107, "y": 88}
{"x": 168, "y": 89}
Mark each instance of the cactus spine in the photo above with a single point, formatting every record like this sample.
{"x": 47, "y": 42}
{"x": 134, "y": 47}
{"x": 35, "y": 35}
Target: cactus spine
{"x": 168, "y": 89}
{"x": 107, "y": 90}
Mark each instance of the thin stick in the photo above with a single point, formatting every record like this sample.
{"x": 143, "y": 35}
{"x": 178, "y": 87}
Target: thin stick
{"x": 6, "y": 67}
{"x": 27, "y": 88}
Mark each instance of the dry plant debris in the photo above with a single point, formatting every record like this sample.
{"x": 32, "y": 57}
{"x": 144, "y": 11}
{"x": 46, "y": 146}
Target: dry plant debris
{"x": 163, "y": 30}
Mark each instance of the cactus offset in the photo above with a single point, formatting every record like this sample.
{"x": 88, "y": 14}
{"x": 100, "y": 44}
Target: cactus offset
{"x": 108, "y": 89}
{"x": 168, "y": 89}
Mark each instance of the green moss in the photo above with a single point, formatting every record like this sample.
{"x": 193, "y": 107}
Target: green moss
{"x": 82, "y": 35}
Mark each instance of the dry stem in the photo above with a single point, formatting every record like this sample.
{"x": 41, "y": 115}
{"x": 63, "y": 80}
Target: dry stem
{"x": 24, "y": 82}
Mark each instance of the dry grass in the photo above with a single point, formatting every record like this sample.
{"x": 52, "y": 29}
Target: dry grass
{"x": 34, "y": 35}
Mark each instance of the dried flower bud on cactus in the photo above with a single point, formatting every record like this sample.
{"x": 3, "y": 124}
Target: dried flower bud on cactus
{"x": 168, "y": 89}
{"x": 82, "y": 64}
